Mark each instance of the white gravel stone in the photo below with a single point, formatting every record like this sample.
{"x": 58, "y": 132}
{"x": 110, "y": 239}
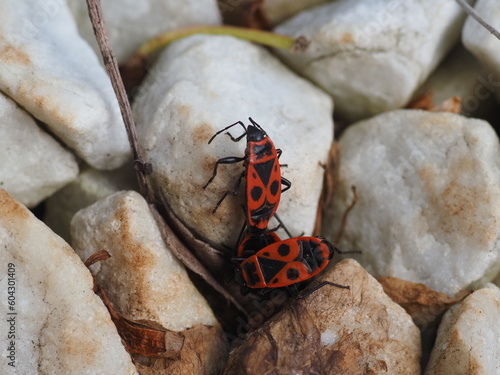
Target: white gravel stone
{"x": 429, "y": 198}
{"x": 372, "y": 55}
{"x": 461, "y": 74}
{"x": 484, "y": 45}
{"x": 33, "y": 164}
{"x": 142, "y": 279}
{"x": 468, "y": 340}
{"x": 47, "y": 68}
{"x": 202, "y": 84}
{"x": 61, "y": 326}
{"x": 131, "y": 23}
{"x": 90, "y": 186}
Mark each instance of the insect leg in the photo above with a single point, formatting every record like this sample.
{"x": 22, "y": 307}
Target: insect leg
{"x": 283, "y": 226}
{"x": 240, "y": 237}
{"x": 227, "y": 160}
{"x": 293, "y": 290}
{"x": 233, "y": 192}
{"x": 337, "y": 250}
{"x": 279, "y": 152}
{"x": 321, "y": 285}
{"x": 287, "y": 184}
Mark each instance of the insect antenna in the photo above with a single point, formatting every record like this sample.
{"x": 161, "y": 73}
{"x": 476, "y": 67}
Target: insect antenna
{"x": 257, "y": 126}
{"x": 228, "y": 127}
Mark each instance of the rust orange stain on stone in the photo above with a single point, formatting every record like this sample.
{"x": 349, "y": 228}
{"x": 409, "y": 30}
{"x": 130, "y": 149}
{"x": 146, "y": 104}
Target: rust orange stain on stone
{"x": 347, "y": 38}
{"x": 13, "y": 55}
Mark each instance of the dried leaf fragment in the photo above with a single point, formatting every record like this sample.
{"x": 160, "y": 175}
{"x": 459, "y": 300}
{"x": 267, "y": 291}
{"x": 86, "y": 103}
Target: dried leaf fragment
{"x": 426, "y": 102}
{"x": 423, "y": 304}
{"x": 145, "y": 338}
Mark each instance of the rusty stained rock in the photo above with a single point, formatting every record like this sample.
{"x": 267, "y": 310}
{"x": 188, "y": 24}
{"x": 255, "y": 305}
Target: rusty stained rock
{"x": 423, "y": 304}
{"x": 334, "y": 331}
{"x": 146, "y": 283}
{"x": 428, "y": 187}
{"x": 61, "y": 326}
{"x": 49, "y": 70}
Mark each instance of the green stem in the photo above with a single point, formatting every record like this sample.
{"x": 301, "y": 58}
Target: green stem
{"x": 258, "y": 36}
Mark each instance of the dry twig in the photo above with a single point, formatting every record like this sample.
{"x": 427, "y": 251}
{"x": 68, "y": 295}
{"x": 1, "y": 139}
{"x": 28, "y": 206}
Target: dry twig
{"x": 143, "y": 169}
{"x": 346, "y": 214}
{"x": 470, "y": 10}
{"x": 111, "y": 65}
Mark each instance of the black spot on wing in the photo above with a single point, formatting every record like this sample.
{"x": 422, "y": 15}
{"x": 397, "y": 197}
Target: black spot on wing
{"x": 292, "y": 274}
{"x": 275, "y": 185}
{"x": 284, "y": 249}
{"x": 256, "y": 193}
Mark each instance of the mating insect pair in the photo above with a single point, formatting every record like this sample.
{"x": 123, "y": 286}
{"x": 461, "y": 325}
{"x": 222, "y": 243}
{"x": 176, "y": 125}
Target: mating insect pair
{"x": 283, "y": 263}
{"x": 264, "y": 260}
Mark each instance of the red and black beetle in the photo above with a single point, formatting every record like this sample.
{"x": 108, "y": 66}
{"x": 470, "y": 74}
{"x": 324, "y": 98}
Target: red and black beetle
{"x": 285, "y": 263}
{"x": 262, "y": 173}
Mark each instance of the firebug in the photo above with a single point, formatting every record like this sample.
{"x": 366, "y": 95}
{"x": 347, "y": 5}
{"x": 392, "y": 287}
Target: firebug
{"x": 262, "y": 173}
{"x": 284, "y": 263}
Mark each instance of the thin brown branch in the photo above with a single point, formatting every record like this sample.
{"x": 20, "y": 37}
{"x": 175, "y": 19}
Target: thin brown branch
{"x": 189, "y": 260}
{"x": 142, "y": 168}
{"x": 470, "y": 10}
{"x": 343, "y": 224}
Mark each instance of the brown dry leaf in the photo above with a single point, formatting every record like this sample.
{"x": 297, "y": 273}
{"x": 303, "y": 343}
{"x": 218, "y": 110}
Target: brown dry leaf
{"x": 212, "y": 259}
{"x": 423, "y": 304}
{"x": 197, "y": 355}
{"x": 345, "y": 215}
{"x": 98, "y": 256}
{"x": 182, "y": 253}
{"x": 146, "y": 338}
{"x": 452, "y": 105}
{"x": 426, "y": 102}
